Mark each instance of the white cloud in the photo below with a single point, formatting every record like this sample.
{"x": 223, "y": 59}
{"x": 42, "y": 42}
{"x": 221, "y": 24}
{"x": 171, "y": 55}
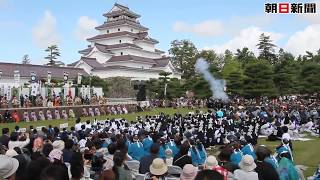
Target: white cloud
{"x": 85, "y": 27}
{"x": 305, "y": 40}
{"x": 247, "y": 37}
{"x": 45, "y": 32}
{"x": 312, "y": 18}
{"x": 207, "y": 28}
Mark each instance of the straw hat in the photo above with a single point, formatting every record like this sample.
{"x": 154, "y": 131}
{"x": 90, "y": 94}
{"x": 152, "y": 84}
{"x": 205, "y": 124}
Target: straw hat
{"x": 211, "y": 162}
{"x": 58, "y": 144}
{"x": 11, "y": 153}
{"x": 158, "y": 167}
{"x": 247, "y": 163}
{"x": 189, "y": 172}
{"x": 8, "y": 166}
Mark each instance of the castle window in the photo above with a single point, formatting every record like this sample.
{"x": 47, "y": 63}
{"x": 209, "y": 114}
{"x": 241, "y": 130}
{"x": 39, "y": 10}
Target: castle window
{"x": 118, "y": 29}
{"x": 107, "y": 31}
{"x": 120, "y": 41}
{"x": 131, "y": 30}
{"x": 121, "y": 53}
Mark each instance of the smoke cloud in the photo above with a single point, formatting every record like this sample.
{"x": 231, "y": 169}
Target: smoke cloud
{"x": 216, "y": 85}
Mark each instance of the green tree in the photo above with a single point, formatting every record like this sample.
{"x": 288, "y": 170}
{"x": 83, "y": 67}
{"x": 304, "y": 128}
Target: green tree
{"x": 309, "y": 78}
{"x": 183, "y": 57}
{"x": 211, "y": 57}
{"x": 244, "y": 56}
{"x": 153, "y": 88}
{"x": 259, "y": 80}
{"x": 53, "y": 54}
{"x": 175, "y": 89}
{"x": 266, "y": 49}
{"x": 201, "y": 88}
{"x": 235, "y": 83}
{"x": 26, "y": 59}
{"x": 228, "y": 56}
{"x": 231, "y": 66}
{"x": 96, "y": 81}
{"x": 314, "y": 57}
{"x": 286, "y": 74}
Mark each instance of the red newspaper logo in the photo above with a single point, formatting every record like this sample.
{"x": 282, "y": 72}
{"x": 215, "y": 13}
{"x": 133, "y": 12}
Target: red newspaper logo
{"x": 283, "y": 7}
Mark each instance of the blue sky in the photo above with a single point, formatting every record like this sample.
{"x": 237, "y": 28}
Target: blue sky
{"x": 28, "y": 26}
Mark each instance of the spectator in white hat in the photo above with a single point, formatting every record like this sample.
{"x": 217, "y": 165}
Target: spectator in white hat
{"x": 11, "y": 153}
{"x": 8, "y": 167}
{"x": 189, "y": 172}
{"x": 246, "y": 171}
{"x": 158, "y": 169}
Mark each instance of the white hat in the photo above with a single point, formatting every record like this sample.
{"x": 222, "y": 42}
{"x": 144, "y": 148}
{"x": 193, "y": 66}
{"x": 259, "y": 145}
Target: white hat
{"x": 158, "y": 167}
{"x": 8, "y": 166}
{"x": 11, "y": 153}
{"x": 211, "y": 162}
{"x": 168, "y": 153}
{"x": 58, "y": 144}
{"x": 189, "y": 172}
{"x": 247, "y": 163}
{"x": 55, "y": 154}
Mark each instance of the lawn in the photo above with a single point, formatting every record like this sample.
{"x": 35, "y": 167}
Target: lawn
{"x": 305, "y": 153}
{"x": 71, "y": 121}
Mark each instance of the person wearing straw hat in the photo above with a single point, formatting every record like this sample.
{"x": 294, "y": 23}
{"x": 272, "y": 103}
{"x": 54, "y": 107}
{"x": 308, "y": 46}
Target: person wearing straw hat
{"x": 189, "y": 172}
{"x": 246, "y": 171}
{"x": 212, "y": 164}
{"x": 158, "y": 170}
{"x": 8, "y": 167}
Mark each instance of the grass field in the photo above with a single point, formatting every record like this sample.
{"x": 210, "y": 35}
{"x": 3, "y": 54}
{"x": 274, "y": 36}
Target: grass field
{"x": 71, "y": 121}
{"x": 305, "y": 153}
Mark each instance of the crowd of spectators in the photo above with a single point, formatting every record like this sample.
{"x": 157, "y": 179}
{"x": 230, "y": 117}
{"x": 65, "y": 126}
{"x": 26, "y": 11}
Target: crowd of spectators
{"x": 167, "y": 147}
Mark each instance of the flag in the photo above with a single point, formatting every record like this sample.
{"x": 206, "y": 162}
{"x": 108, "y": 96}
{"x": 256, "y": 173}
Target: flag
{"x": 69, "y": 92}
{"x": 34, "y": 89}
{"x": 39, "y": 87}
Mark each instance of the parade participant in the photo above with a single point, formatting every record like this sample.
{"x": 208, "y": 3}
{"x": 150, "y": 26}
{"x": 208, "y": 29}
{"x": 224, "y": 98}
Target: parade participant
{"x": 15, "y": 102}
{"x": 146, "y": 160}
{"x": 135, "y": 149}
{"x": 182, "y": 158}
{"x": 15, "y": 116}
{"x": 264, "y": 169}
{"x": 146, "y": 141}
{"x": 284, "y": 147}
{"x": 237, "y": 154}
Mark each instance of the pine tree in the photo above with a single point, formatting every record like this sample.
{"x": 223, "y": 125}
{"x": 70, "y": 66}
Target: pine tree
{"x": 259, "y": 80}
{"x": 266, "y": 49}
{"x": 53, "y": 55}
{"x": 26, "y": 59}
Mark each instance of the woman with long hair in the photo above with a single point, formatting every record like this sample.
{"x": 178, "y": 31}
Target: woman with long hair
{"x": 120, "y": 169}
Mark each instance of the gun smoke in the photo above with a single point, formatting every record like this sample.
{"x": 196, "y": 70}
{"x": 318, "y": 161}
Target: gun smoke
{"x": 216, "y": 86}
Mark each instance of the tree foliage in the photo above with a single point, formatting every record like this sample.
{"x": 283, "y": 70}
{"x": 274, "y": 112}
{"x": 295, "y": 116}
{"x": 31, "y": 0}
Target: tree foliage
{"x": 258, "y": 80}
{"x": 183, "y": 57}
{"x": 95, "y": 81}
{"x": 53, "y": 54}
{"x": 266, "y": 48}
{"x": 309, "y": 78}
{"x": 26, "y": 59}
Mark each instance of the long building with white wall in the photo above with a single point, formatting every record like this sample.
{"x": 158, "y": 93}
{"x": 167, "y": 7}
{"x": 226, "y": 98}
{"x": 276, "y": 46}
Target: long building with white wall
{"x": 123, "y": 48}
